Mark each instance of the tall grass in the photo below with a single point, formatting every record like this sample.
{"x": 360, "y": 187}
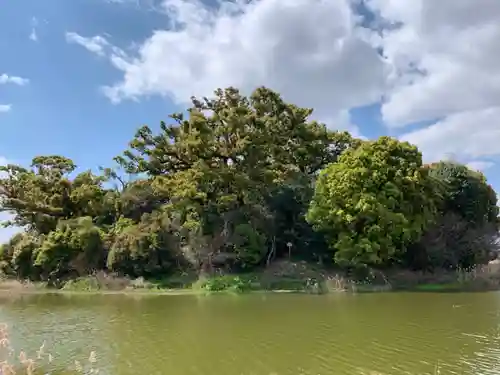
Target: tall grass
{"x": 13, "y": 362}
{"x": 483, "y": 277}
{"x": 281, "y": 277}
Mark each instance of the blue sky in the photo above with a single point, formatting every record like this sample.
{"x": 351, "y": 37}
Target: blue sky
{"x": 61, "y": 110}
{"x": 78, "y": 77}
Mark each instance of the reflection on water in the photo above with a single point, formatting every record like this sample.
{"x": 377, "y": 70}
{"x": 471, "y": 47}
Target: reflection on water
{"x": 412, "y": 333}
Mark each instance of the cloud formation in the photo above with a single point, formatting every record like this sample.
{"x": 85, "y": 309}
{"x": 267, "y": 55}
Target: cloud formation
{"x": 5, "y": 108}
{"x": 445, "y": 56}
{"x": 6, "y": 79}
{"x": 274, "y": 43}
{"x": 96, "y": 44}
{"x": 426, "y": 61}
{"x": 34, "y": 35}
{"x": 480, "y": 165}
{"x": 446, "y": 67}
{"x": 470, "y": 134}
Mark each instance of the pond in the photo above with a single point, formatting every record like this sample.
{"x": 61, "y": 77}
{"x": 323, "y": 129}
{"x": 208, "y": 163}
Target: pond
{"x": 393, "y": 333}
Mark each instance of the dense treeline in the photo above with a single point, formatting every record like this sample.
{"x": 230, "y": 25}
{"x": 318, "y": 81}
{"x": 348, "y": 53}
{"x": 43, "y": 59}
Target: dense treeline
{"x": 240, "y": 182}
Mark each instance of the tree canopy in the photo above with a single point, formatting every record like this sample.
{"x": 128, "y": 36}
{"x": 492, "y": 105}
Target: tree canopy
{"x": 231, "y": 183}
{"x": 375, "y": 201}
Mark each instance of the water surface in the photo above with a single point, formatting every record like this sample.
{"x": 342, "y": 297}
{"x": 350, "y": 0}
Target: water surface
{"x": 407, "y": 333}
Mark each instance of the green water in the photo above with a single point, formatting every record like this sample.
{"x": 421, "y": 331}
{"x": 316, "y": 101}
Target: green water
{"x": 407, "y": 333}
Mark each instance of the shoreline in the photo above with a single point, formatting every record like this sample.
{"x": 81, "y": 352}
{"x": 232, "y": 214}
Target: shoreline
{"x": 421, "y": 288}
{"x": 135, "y": 292}
{"x": 294, "y": 278}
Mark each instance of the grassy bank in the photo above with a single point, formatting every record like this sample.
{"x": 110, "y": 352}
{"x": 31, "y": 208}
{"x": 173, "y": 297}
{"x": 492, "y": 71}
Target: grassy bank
{"x": 281, "y": 277}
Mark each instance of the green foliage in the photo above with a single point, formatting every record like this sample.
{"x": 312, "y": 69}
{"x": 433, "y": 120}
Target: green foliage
{"x": 75, "y": 248}
{"x": 236, "y": 183}
{"x": 143, "y": 249}
{"x": 249, "y": 244}
{"x": 374, "y": 202}
{"x": 82, "y": 284}
{"x": 17, "y": 256}
{"x": 465, "y": 193}
{"x": 464, "y": 233}
{"x": 234, "y": 284}
{"x": 289, "y": 204}
{"x": 41, "y": 196}
{"x": 221, "y": 166}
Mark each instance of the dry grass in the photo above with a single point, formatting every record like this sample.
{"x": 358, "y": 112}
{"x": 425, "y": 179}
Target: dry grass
{"x": 479, "y": 278}
{"x": 17, "y": 285}
{"x": 483, "y": 277}
{"x": 20, "y": 363}
{"x": 283, "y": 276}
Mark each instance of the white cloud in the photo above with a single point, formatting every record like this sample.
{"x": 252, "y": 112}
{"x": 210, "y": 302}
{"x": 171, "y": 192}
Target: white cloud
{"x": 471, "y": 134}
{"x": 480, "y": 165}
{"x": 341, "y": 121}
{"x": 34, "y": 24}
{"x": 446, "y": 65}
{"x": 5, "y": 79}
{"x": 441, "y": 62}
{"x": 5, "y": 108}
{"x": 446, "y": 57}
{"x": 33, "y": 35}
{"x": 313, "y": 52}
{"x": 96, "y": 44}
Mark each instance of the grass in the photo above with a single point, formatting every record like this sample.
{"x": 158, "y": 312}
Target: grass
{"x": 479, "y": 278}
{"x": 298, "y": 277}
{"x": 438, "y": 287}
{"x": 225, "y": 283}
{"x": 14, "y": 362}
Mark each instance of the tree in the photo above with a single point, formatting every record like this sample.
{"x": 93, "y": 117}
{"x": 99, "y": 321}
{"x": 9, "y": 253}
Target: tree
{"x": 237, "y": 182}
{"x": 17, "y": 256}
{"x": 374, "y": 202}
{"x": 465, "y": 193}
{"x": 143, "y": 249}
{"x": 466, "y": 228}
{"x": 74, "y": 248}
{"x": 227, "y": 159}
{"x": 40, "y": 196}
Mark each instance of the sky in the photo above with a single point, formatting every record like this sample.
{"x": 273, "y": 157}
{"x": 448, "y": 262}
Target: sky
{"x": 78, "y": 77}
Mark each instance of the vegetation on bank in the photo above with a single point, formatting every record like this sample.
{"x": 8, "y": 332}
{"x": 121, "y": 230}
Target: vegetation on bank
{"x": 236, "y": 185}
{"x": 296, "y": 278}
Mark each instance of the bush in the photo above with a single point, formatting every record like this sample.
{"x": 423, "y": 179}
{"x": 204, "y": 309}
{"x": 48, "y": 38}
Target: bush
{"x": 465, "y": 231}
{"x": 374, "y": 202}
{"x": 18, "y": 254}
{"x": 82, "y": 284}
{"x": 75, "y": 247}
{"x": 226, "y": 283}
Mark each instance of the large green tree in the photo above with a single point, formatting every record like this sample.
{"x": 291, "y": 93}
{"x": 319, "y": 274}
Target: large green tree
{"x": 74, "y": 248}
{"x": 40, "y": 196}
{"x": 375, "y": 201}
{"x": 234, "y": 182}
{"x": 465, "y": 192}
{"x": 466, "y": 228}
{"x": 220, "y": 165}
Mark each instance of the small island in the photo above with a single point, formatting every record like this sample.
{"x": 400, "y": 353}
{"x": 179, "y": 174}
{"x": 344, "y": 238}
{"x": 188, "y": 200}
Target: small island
{"x": 249, "y": 193}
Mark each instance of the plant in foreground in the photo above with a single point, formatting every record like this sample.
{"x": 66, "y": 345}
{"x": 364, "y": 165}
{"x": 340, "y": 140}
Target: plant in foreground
{"x": 20, "y": 363}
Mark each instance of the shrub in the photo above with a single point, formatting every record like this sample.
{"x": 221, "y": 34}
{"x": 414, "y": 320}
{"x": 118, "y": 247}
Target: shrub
{"x": 227, "y": 283}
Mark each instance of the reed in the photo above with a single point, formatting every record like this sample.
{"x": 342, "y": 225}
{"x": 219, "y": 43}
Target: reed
{"x": 14, "y": 362}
